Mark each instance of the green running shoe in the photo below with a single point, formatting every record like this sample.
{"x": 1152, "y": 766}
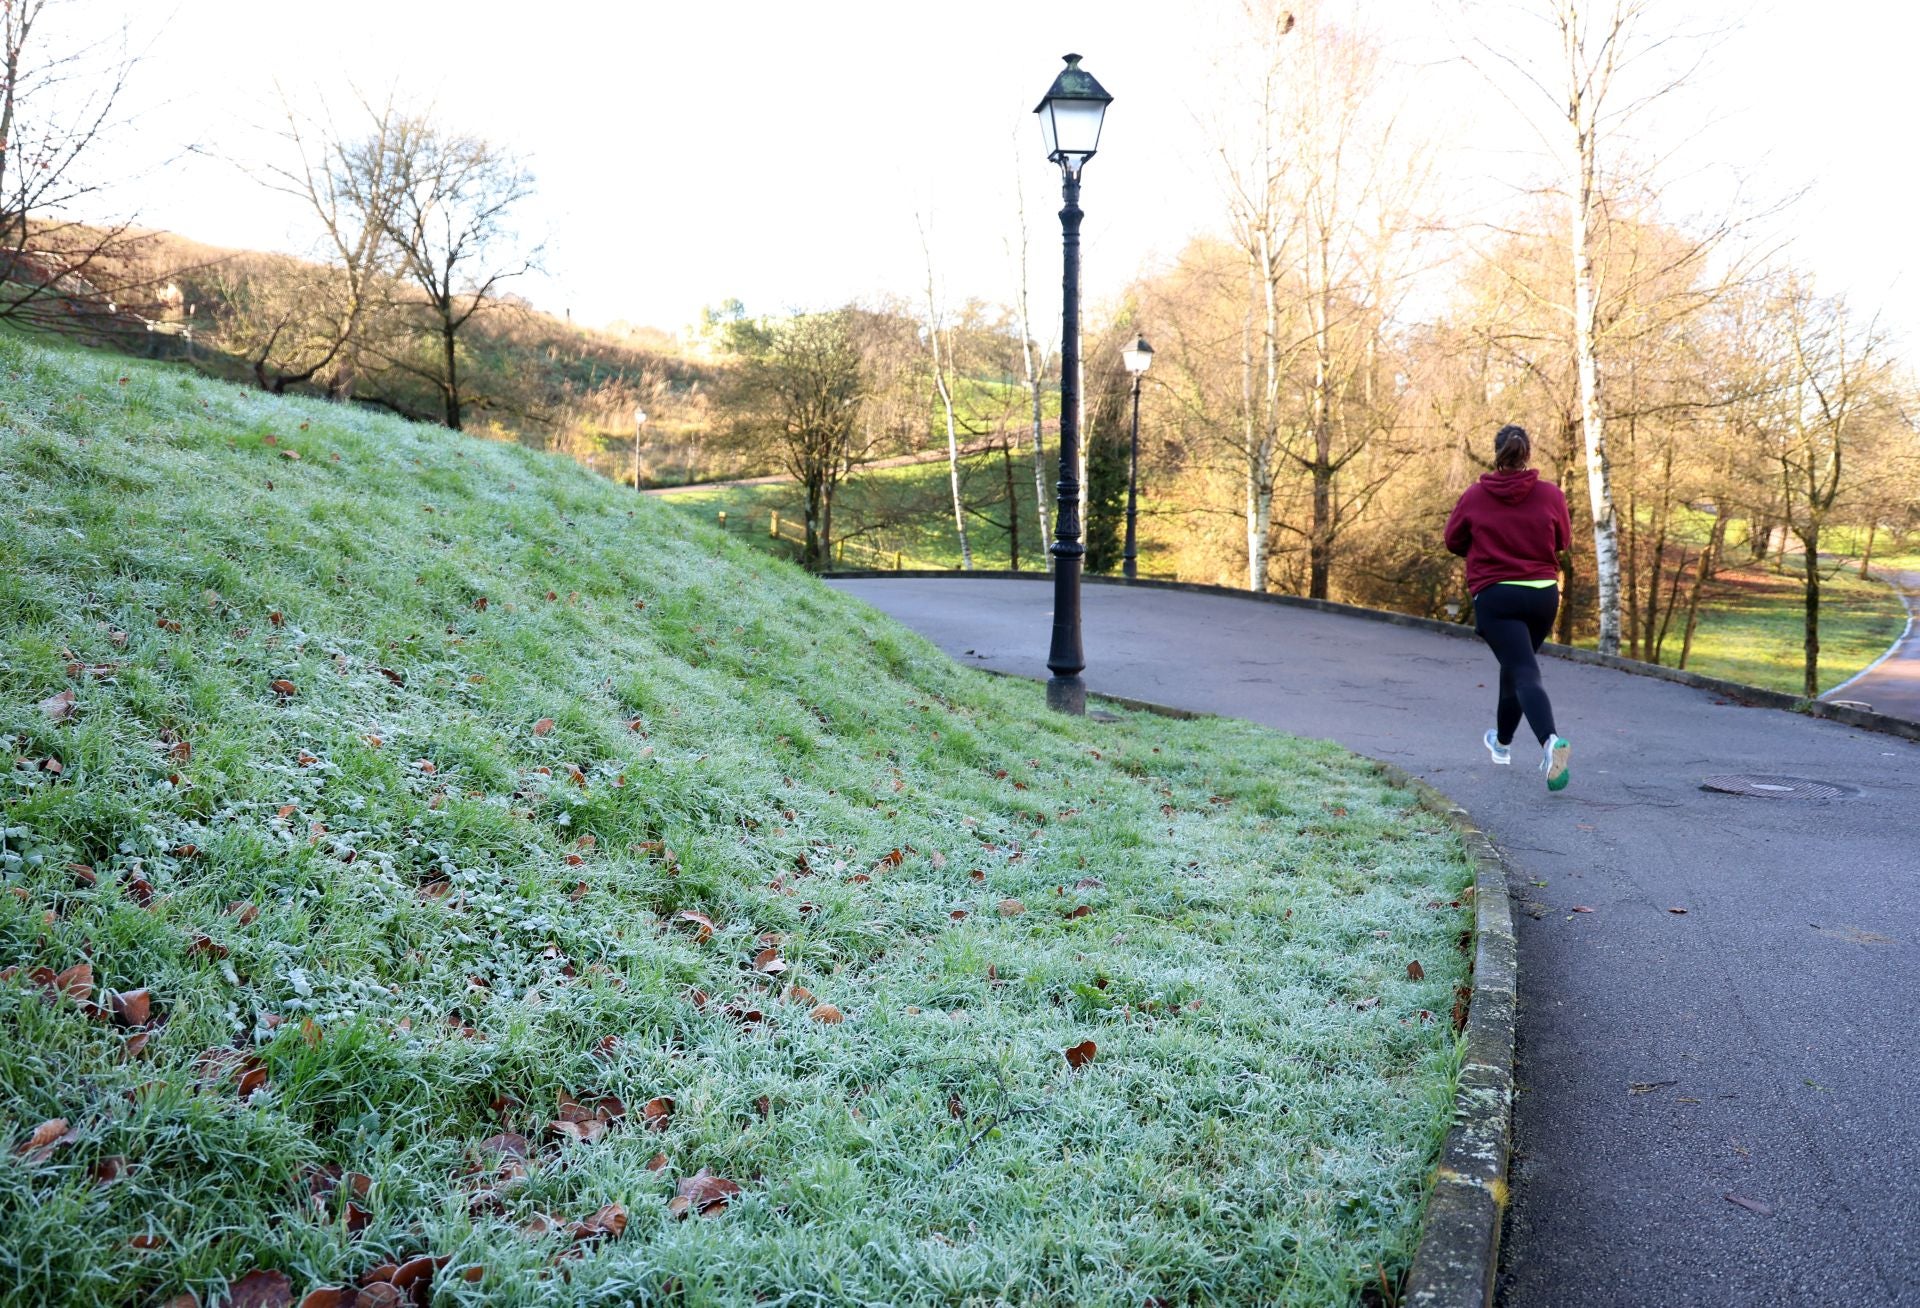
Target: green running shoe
{"x": 1554, "y": 761}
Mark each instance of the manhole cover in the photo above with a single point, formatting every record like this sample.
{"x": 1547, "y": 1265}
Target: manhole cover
{"x": 1761, "y": 787}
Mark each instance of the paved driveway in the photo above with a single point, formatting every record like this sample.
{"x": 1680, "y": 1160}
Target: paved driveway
{"x": 1893, "y": 684}
{"x": 1765, "y": 1044}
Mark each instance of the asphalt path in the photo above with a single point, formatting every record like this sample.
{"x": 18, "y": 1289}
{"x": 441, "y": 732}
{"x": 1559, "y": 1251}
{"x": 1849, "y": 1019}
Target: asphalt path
{"x": 1715, "y": 1107}
{"x": 1892, "y": 684}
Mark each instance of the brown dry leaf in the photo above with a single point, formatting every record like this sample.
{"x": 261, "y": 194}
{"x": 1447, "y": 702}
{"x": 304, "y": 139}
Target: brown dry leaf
{"x": 656, "y": 1162}
{"x": 798, "y": 995}
{"x": 1751, "y": 1205}
{"x": 608, "y": 1223}
{"x": 827, "y": 1014}
{"x": 506, "y": 1145}
{"x": 1011, "y": 908}
{"x": 1678, "y": 910}
{"x": 46, "y": 1137}
{"x": 583, "y": 1132}
{"x": 657, "y": 1112}
{"x": 955, "y": 1109}
{"x": 703, "y": 1194}
{"x": 58, "y": 708}
{"x": 243, "y": 911}
{"x": 381, "y": 1294}
{"x": 1081, "y": 1054}
{"x": 76, "y": 982}
{"x": 703, "y": 924}
{"x": 203, "y": 944}
{"x": 146, "y": 1240}
{"x": 83, "y": 875}
{"x": 768, "y": 961}
{"x": 1581, "y": 908}
{"x": 326, "y": 1296}
{"x": 109, "y": 1170}
{"x": 1362, "y": 1005}
{"x": 134, "y": 1007}
{"x": 1415, "y": 972}
{"x": 259, "y": 1289}
{"x": 416, "y": 1269}
{"x": 285, "y": 689}
{"x": 543, "y": 726}
{"x": 1081, "y": 911}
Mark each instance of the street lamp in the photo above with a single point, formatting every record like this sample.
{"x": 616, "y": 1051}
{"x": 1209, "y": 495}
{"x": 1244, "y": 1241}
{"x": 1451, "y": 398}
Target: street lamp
{"x": 639, "y": 426}
{"x": 1138, "y": 357}
{"x": 1070, "y": 116}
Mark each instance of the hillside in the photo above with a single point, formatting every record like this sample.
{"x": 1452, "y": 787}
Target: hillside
{"x": 430, "y": 864}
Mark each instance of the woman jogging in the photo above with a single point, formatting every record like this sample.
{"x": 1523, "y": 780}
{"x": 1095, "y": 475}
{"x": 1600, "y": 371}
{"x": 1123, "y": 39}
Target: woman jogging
{"x": 1512, "y": 528}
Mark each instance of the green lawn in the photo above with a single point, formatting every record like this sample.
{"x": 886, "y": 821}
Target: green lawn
{"x": 446, "y": 853}
{"x": 1752, "y": 627}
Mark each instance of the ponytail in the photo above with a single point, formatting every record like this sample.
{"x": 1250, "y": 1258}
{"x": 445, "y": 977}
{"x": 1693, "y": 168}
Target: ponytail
{"x": 1512, "y": 450}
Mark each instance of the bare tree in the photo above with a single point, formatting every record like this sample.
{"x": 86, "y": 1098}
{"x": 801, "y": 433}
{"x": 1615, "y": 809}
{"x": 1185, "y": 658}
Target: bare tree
{"x": 943, "y": 385}
{"x": 57, "y": 102}
{"x": 451, "y": 220}
{"x": 352, "y": 183}
{"x": 798, "y": 392}
{"x": 1035, "y": 359}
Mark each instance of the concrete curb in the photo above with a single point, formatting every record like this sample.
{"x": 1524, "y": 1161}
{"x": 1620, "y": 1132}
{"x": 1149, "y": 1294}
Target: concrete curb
{"x": 1738, "y": 692}
{"x": 1457, "y": 1258}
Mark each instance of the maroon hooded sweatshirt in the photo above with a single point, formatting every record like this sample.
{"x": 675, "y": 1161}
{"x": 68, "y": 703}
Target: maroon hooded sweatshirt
{"x": 1511, "y": 526}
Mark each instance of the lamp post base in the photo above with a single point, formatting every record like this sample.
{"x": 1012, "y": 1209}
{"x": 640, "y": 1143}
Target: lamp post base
{"x": 1067, "y": 695}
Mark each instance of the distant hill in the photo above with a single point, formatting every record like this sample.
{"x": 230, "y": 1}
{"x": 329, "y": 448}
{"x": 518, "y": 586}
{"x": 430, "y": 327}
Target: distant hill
{"x": 527, "y": 375}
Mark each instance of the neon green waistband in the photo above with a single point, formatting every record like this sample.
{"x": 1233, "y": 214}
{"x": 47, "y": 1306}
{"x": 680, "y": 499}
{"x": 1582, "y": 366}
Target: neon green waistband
{"x": 1535, "y": 585}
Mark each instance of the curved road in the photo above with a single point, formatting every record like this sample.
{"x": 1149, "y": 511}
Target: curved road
{"x": 1764, "y": 1045}
{"x": 1892, "y": 683}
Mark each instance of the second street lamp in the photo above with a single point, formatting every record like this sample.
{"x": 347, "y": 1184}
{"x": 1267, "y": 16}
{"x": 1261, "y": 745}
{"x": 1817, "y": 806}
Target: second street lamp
{"x": 1070, "y": 116}
{"x": 1138, "y": 358}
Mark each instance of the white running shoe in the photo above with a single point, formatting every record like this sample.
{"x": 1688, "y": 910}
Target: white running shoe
{"x": 1501, "y": 753}
{"x": 1553, "y": 761}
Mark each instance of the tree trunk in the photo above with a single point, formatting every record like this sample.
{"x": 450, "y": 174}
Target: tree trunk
{"x": 1810, "y": 541}
{"x": 452, "y": 392}
{"x": 1866, "y": 558}
{"x": 812, "y": 556}
{"x": 1606, "y": 533}
{"x": 1013, "y": 506}
{"x": 1715, "y": 539}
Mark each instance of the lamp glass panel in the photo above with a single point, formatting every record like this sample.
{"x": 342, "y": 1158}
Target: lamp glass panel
{"x": 1045, "y": 114}
{"x": 1076, "y": 125}
{"x": 1137, "y": 358}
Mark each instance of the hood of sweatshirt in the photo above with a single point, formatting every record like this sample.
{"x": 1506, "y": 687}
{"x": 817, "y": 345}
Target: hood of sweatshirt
{"x": 1512, "y": 486}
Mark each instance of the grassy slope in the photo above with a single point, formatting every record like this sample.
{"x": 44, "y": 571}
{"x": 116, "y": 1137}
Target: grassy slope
{"x": 441, "y": 951}
{"x": 1752, "y": 627}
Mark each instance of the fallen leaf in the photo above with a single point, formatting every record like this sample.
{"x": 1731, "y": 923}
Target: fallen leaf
{"x": 955, "y": 1109}
{"x": 285, "y": 690}
{"x": 827, "y": 1014}
{"x": 326, "y": 1296}
{"x": 1415, "y": 972}
{"x": 703, "y": 924}
{"x": 608, "y": 1223}
{"x": 146, "y": 1240}
{"x": 543, "y": 726}
{"x": 259, "y": 1289}
{"x": 76, "y": 982}
{"x": 46, "y": 1137}
{"x": 1011, "y": 908}
{"x": 768, "y": 961}
{"x": 415, "y": 1269}
{"x": 381, "y": 1294}
{"x": 109, "y": 1170}
{"x": 1751, "y": 1205}
{"x": 1362, "y": 1005}
{"x": 1081, "y": 911}
{"x": 1648, "y": 1087}
{"x": 1681, "y": 911}
{"x": 1081, "y": 1054}
{"x": 243, "y": 911}
{"x": 202, "y": 944}
{"x": 1581, "y": 908}
{"x": 586, "y": 1132}
{"x": 132, "y": 1007}
{"x": 703, "y": 1194}
{"x": 58, "y": 708}
{"x": 657, "y": 1112}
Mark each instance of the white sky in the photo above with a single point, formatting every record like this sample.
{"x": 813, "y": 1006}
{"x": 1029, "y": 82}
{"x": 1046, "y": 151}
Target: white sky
{"x": 691, "y": 150}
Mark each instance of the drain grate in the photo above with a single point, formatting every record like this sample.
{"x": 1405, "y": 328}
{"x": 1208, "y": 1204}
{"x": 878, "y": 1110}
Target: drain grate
{"x": 1764, "y": 787}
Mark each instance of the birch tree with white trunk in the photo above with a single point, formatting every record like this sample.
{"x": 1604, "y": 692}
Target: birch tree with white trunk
{"x": 943, "y": 385}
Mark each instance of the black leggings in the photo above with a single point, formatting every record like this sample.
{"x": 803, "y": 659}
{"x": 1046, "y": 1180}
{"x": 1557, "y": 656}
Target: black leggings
{"x": 1513, "y": 620}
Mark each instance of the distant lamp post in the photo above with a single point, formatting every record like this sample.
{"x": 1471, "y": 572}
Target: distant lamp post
{"x": 639, "y": 427}
{"x": 1138, "y": 358}
{"x": 1070, "y": 116}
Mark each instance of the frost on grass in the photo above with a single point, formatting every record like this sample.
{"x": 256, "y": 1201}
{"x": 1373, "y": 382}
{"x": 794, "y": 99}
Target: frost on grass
{"x": 525, "y": 880}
